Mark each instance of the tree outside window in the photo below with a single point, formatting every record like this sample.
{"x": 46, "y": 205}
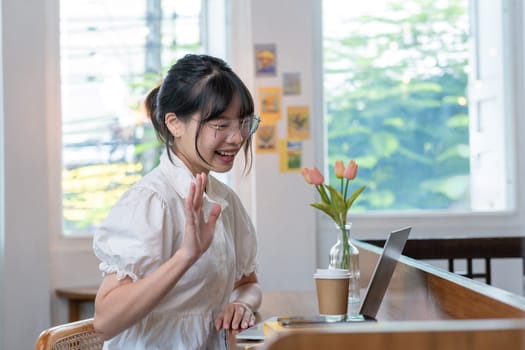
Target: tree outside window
{"x": 396, "y": 77}
{"x": 112, "y": 53}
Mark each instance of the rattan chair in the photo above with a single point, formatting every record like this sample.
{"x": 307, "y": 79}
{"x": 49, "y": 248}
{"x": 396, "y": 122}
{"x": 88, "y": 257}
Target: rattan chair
{"x": 79, "y": 335}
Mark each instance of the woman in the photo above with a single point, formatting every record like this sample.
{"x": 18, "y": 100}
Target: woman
{"x": 178, "y": 250}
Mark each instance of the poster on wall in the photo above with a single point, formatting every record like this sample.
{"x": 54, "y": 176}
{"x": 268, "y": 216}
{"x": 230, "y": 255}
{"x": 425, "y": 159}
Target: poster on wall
{"x": 290, "y": 155}
{"x": 266, "y": 138}
{"x": 265, "y": 60}
{"x": 291, "y": 84}
{"x": 298, "y": 118}
{"x": 270, "y": 104}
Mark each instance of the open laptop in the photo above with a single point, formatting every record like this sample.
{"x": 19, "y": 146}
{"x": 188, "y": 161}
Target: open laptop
{"x": 374, "y": 294}
{"x": 383, "y": 272}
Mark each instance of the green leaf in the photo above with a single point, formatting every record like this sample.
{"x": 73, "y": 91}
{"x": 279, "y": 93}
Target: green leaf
{"x": 354, "y": 196}
{"x": 327, "y": 209}
{"x": 338, "y": 203}
{"x": 324, "y": 195}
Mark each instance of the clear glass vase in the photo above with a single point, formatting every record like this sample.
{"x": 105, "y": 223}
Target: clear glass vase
{"x": 345, "y": 255}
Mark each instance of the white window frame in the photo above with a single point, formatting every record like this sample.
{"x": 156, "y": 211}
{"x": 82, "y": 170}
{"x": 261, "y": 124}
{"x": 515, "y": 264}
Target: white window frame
{"x": 377, "y": 225}
{"x": 67, "y": 251}
{"x": 215, "y": 43}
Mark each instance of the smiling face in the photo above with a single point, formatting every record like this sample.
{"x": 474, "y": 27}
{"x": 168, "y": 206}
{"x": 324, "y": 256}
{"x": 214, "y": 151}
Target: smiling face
{"x": 218, "y": 140}
{"x": 203, "y": 112}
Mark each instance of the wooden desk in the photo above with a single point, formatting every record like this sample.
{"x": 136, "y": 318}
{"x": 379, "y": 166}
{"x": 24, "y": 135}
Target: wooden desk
{"x": 76, "y": 296}
{"x": 418, "y": 292}
{"x": 421, "y": 298}
{"x": 431, "y": 335}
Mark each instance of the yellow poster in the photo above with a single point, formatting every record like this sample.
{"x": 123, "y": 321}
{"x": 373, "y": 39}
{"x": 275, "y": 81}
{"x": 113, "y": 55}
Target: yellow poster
{"x": 270, "y": 104}
{"x": 298, "y": 118}
{"x": 266, "y": 138}
{"x": 290, "y": 155}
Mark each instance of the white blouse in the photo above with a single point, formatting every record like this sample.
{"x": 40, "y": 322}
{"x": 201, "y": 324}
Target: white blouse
{"x": 146, "y": 227}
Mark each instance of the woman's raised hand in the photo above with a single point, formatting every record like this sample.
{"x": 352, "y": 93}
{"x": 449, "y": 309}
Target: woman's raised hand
{"x": 199, "y": 232}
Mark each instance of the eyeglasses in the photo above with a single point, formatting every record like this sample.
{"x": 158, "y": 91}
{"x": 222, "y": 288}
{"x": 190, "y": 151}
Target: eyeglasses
{"x": 227, "y": 128}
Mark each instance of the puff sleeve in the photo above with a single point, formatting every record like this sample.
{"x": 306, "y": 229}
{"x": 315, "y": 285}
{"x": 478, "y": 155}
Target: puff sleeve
{"x": 131, "y": 240}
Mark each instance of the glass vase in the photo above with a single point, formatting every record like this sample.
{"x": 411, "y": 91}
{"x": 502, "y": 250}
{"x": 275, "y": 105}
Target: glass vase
{"x": 345, "y": 255}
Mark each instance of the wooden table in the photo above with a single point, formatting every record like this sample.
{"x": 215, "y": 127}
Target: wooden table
{"x": 422, "y": 303}
{"x": 420, "y": 299}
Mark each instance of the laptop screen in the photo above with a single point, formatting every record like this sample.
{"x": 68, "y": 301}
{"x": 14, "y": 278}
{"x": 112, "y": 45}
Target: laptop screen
{"x": 383, "y": 272}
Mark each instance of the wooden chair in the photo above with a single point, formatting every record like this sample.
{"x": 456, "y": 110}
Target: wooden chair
{"x": 464, "y": 249}
{"x": 79, "y": 335}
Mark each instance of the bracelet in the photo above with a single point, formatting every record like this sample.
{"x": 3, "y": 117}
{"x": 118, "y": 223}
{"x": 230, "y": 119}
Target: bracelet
{"x": 245, "y": 305}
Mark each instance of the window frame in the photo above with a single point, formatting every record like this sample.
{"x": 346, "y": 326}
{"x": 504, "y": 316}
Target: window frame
{"x": 82, "y": 241}
{"x": 435, "y": 223}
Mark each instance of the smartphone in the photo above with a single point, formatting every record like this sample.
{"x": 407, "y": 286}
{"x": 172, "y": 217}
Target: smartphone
{"x": 307, "y": 320}
{"x": 319, "y": 320}
{"x": 255, "y": 332}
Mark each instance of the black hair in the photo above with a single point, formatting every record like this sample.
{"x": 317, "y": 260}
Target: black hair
{"x": 198, "y": 83}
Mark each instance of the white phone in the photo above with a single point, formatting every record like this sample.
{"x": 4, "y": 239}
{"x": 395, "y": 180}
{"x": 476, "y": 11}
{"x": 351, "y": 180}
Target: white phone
{"x": 255, "y": 332}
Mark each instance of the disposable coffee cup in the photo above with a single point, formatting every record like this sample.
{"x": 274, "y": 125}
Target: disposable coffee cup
{"x": 332, "y": 292}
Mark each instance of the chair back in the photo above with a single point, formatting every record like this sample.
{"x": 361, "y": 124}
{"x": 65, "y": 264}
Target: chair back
{"x": 79, "y": 335}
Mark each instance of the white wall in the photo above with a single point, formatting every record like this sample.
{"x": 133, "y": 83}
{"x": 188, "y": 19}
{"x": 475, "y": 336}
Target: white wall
{"x": 2, "y": 198}
{"x": 24, "y": 282}
{"x": 35, "y": 259}
{"x": 285, "y": 221}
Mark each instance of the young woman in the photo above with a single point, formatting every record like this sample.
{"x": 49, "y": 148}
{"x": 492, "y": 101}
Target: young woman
{"x": 178, "y": 250}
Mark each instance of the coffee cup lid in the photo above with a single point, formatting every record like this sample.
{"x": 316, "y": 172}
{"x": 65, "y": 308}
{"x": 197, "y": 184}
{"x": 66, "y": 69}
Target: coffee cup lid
{"x": 331, "y": 273}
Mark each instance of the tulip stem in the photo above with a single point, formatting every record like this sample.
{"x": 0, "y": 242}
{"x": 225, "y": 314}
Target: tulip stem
{"x": 322, "y": 192}
{"x": 346, "y": 189}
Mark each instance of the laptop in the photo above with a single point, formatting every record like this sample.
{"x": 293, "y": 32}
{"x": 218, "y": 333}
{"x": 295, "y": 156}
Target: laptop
{"x": 383, "y": 272}
{"x": 373, "y": 297}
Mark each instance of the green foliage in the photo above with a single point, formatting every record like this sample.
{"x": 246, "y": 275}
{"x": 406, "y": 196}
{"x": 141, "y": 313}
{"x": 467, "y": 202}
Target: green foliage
{"x": 90, "y": 191}
{"x": 399, "y": 107}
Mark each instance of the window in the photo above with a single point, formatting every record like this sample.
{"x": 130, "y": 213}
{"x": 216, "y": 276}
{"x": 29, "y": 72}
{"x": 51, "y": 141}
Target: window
{"x": 112, "y": 53}
{"x": 414, "y": 92}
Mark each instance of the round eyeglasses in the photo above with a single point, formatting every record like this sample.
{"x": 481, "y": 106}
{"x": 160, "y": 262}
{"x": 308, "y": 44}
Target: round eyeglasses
{"x": 227, "y": 128}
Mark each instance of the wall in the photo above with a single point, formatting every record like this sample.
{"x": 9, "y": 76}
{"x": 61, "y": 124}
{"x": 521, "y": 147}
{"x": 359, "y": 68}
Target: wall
{"x": 24, "y": 280}
{"x": 285, "y": 221}
{"x": 2, "y": 199}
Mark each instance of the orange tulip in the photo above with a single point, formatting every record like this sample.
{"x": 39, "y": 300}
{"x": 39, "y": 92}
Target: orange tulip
{"x": 351, "y": 171}
{"x": 304, "y": 172}
{"x": 334, "y": 202}
{"x": 315, "y": 176}
{"x": 339, "y": 169}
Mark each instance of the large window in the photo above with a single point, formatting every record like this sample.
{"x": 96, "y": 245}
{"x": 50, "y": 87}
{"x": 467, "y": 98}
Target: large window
{"x": 112, "y": 53}
{"x": 414, "y": 92}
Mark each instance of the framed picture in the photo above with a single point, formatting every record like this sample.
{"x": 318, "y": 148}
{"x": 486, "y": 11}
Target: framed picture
{"x": 291, "y": 84}
{"x": 270, "y": 104}
{"x": 290, "y": 155}
{"x": 298, "y": 118}
{"x": 266, "y": 139}
{"x": 265, "y": 60}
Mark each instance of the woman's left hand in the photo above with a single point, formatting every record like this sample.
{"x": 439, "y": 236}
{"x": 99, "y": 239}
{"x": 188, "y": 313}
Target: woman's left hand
{"x": 236, "y": 315}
